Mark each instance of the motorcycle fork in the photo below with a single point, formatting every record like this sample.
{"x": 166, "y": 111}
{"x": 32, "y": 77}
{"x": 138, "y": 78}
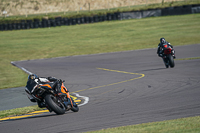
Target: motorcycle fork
{"x": 165, "y": 60}
{"x": 65, "y": 91}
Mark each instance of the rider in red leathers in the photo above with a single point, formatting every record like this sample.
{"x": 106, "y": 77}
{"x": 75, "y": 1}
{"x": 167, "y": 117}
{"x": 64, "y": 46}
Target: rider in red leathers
{"x": 161, "y": 45}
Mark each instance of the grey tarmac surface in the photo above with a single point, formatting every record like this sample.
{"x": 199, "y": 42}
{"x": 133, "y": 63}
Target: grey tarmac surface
{"x": 124, "y": 88}
{"x": 13, "y": 98}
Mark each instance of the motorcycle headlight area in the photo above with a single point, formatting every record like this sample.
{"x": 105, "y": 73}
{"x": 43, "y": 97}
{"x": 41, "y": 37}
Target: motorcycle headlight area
{"x": 38, "y": 91}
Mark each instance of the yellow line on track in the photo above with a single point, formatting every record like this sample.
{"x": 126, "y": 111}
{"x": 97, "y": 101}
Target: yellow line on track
{"x": 33, "y": 113}
{"x": 43, "y": 111}
{"x": 38, "y": 112}
{"x": 141, "y": 76}
{"x": 18, "y": 117}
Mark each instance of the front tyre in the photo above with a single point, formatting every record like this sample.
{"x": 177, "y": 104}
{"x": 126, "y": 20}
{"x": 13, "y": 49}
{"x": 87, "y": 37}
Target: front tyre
{"x": 55, "y": 104}
{"x": 75, "y": 108}
{"x": 165, "y": 62}
{"x": 171, "y": 61}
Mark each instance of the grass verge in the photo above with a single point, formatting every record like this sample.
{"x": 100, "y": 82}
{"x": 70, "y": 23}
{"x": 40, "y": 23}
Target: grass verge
{"x": 90, "y": 39}
{"x": 183, "y": 125}
{"x": 19, "y": 111}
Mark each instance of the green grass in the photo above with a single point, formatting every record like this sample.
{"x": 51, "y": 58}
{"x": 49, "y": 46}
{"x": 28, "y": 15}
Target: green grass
{"x": 19, "y": 111}
{"x": 90, "y": 39}
{"x": 183, "y": 125}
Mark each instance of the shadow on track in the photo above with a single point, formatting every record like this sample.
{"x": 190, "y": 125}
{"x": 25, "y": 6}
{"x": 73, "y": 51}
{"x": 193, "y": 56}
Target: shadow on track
{"x": 154, "y": 69}
{"x": 36, "y": 116}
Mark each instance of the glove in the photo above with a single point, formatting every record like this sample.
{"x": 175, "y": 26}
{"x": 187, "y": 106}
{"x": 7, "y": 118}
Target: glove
{"x": 51, "y": 79}
{"x": 60, "y": 81}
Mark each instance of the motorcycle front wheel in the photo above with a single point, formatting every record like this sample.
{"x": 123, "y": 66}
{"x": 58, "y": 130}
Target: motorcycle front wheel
{"x": 171, "y": 61}
{"x": 165, "y": 62}
{"x": 55, "y": 104}
{"x": 75, "y": 108}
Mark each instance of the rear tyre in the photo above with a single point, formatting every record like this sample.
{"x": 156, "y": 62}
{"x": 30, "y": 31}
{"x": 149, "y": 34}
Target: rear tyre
{"x": 171, "y": 61}
{"x": 55, "y": 104}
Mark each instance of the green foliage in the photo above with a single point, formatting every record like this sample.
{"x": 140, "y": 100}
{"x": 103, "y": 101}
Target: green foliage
{"x": 95, "y": 12}
{"x": 163, "y": 2}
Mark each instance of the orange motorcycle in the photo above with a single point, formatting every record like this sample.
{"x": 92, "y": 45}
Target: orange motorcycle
{"x": 44, "y": 92}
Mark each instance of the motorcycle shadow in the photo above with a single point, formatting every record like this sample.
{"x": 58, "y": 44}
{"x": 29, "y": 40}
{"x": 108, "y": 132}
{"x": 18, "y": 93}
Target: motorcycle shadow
{"x": 154, "y": 69}
{"x": 43, "y": 115}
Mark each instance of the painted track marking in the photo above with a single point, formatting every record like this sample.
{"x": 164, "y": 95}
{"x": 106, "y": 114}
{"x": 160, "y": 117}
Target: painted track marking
{"x": 86, "y": 98}
{"x": 141, "y": 76}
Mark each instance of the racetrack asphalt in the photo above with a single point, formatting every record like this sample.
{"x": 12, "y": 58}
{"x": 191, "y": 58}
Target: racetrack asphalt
{"x": 124, "y": 88}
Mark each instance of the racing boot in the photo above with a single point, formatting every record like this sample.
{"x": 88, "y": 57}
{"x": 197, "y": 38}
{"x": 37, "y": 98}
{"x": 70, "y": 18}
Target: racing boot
{"x": 41, "y": 104}
{"x": 173, "y": 54}
{"x": 50, "y": 110}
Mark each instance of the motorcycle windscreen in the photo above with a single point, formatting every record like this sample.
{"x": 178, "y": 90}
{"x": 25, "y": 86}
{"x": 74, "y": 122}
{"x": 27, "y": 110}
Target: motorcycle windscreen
{"x": 30, "y": 84}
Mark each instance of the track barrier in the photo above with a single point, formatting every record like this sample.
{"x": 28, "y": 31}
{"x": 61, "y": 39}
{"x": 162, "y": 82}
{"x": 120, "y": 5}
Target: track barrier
{"x": 59, "y": 21}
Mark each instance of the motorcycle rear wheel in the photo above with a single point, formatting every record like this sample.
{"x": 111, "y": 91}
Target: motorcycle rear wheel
{"x": 54, "y": 104}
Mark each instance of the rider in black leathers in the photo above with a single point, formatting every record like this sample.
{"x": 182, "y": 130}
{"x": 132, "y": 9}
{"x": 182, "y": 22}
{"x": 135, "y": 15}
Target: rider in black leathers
{"x": 34, "y": 79}
{"x": 160, "y": 47}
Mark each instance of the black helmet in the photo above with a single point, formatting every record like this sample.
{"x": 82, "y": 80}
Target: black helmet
{"x": 162, "y": 40}
{"x": 32, "y": 76}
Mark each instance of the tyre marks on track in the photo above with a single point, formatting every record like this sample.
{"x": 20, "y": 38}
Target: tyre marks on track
{"x": 140, "y": 76}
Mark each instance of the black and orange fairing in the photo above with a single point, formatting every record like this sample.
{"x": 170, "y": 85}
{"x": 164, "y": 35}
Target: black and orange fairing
{"x": 65, "y": 91}
{"x": 46, "y": 86}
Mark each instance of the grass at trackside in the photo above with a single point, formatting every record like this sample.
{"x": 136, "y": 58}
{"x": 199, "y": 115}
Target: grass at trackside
{"x": 90, "y": 39}
{"x": 19, "y": 111}
{"x": 183, "y": 125}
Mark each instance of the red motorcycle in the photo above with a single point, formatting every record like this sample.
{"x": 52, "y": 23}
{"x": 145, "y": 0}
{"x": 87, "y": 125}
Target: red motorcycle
{"x": 168, "y": 56}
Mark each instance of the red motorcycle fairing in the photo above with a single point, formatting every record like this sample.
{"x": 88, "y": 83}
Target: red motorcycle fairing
{"x": 167, "y": 51}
